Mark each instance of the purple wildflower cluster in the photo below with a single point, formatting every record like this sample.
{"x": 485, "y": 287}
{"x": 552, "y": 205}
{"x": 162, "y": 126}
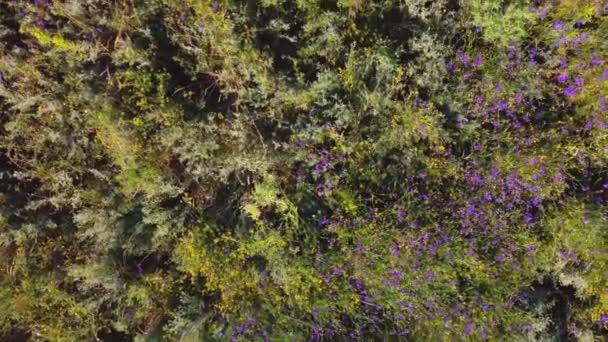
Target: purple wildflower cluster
{"x": 242, "y": 329}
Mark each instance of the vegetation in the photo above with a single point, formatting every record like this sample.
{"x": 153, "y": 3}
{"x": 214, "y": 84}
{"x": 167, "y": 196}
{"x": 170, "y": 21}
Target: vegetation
{"x": 303, "y": 170}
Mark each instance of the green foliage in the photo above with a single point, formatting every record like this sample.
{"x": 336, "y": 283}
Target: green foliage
{"x": 303, "y": 170}
{"x": 501, "y": 22}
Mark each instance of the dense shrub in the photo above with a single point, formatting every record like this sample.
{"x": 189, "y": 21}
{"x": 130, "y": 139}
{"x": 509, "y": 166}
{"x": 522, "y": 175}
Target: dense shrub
{"x": 303, "y": 170}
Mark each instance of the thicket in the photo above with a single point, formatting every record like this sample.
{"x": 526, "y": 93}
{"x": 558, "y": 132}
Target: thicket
{"x": 281, "y": 170}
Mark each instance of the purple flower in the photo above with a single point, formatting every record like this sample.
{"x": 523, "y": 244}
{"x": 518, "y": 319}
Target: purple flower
{"x": 543, "y": 14}
{"x": 468, "y": 328}
{"x": 182, "y": 17}
{"x": 532, "y": 55}
{"x": 359, "y": 248}
{"x": 487, "y": 197}
{"x": 563, "y": 63}
{"x": 603, "y": 319}
{"x": 400, "y": 215}
{"x": 321, "y": 167}
{"x": 422, "y": 129}
{"x": 531, "y": 248}
{"x": 421, "y": 103}
{"x": 518, "y": 98}
{"x": 570, "y": 91}
{"x": 603, "y": 104}
{"x": 528, "y": 218}
{"x": 562, "y": 78}
{"x": 534, "y": 161}
{"x": 451, "y": 68}
{"x": 215, "y": 6}
{"x": 535, "y": 201}
{"x": 322, "y": 188}
{"x": 579, "y": 81}
{"x": 595, "y": 61}
{"x": 324, "y": 221}
{"x": 558, "y": 25}
{"x": 315, "y": 335}
{"x": 464, "y": 58}
{"x": 470, "y": 210}
{"x": 397, "y": 274}
{"x": 501, "y": 258}
{"x": 588, "y": 126}
{"x": 115, "y": 169}
{"x": 477, "y": 62}
{"x": 483, "y": 334}
{"x": 502, "y": 105}
{"x": 395, "y": 249}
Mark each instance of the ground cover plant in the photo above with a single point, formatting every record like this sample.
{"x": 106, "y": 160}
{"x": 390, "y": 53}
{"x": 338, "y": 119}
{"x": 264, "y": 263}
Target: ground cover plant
{"x": 303, "y": 170}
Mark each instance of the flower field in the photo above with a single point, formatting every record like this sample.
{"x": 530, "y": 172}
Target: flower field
{"x": 303, "y": 170}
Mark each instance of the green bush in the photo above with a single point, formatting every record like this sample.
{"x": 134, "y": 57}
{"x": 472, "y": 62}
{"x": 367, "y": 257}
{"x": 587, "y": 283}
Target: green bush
{"x": 303, "y": 170}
